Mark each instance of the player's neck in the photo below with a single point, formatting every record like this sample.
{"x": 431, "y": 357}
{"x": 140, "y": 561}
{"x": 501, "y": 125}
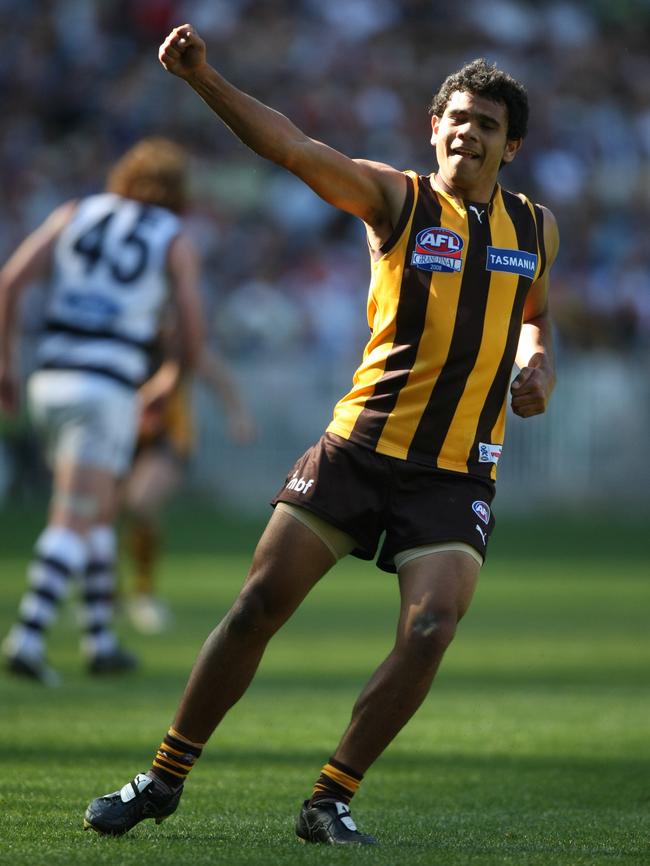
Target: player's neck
{"x": 477, "y": 195}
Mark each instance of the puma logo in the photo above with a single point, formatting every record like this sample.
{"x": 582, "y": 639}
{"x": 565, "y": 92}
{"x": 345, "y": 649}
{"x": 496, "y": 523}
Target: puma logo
{"x": 479, "y": 213}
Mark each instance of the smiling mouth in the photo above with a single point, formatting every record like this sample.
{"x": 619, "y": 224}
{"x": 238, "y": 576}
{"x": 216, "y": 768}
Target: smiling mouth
{"x": 463, "y": 151}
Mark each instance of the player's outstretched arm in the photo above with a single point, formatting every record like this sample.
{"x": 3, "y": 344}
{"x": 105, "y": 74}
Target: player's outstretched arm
{"x": 371, "y": 191}
{"x": 215, "y": 371}
{"x": 532, "y": 387}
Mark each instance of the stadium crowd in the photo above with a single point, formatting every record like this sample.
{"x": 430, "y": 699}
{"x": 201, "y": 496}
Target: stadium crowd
{"x": 82, "y": 82}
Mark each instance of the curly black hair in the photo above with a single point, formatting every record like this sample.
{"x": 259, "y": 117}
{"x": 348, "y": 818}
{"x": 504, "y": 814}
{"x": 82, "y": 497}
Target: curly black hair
{"x": 483, "y": 79}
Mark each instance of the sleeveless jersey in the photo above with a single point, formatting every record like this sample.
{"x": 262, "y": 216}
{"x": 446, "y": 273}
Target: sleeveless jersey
{"x": 108, "y": 289}
{"x": 445, "y": 310}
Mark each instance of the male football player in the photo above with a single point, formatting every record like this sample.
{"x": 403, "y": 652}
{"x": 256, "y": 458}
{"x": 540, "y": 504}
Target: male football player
{"x": 458, "y": 295}
{"x": 114, "y": 262}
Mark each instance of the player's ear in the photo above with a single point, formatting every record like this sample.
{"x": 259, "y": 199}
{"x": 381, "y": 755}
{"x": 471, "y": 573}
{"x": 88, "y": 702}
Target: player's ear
{"x": 435, "y": 126}
{"x": 511, "y": 149}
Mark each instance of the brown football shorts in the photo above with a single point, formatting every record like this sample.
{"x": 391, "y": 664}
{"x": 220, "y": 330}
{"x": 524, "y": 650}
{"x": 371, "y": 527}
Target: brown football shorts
{"x": 366, "y": 494}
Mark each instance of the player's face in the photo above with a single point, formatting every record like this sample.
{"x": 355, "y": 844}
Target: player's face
{"x": 471, "y": 141}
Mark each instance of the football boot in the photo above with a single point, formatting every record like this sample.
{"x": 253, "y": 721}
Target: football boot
{"x": 116, "y": 813}
{"x": 329, "y": 822}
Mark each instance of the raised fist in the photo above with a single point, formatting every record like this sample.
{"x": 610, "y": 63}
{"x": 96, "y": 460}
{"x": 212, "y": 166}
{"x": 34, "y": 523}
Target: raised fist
{"x": 183, "y": 51}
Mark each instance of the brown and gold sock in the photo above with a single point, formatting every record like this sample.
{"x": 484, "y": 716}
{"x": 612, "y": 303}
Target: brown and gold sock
{"x": 336, "y": 782}
{"x": 175, "y": 758}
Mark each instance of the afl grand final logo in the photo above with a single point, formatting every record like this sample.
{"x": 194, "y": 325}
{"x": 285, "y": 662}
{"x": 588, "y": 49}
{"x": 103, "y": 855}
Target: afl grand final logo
{"x": 438, "y": 249}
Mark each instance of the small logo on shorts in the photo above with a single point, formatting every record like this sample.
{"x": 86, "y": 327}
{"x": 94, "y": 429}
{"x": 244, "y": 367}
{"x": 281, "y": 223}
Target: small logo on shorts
{"x": 300, "y": 485}
{"x": 481, "y": 533}
{"x": 482, "y": 510}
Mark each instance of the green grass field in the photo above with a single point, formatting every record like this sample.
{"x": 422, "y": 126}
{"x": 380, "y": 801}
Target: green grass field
{"x": 532, "y": 748}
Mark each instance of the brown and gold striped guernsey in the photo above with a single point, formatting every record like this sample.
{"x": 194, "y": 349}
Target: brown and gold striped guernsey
{"x": 445, "y": 310}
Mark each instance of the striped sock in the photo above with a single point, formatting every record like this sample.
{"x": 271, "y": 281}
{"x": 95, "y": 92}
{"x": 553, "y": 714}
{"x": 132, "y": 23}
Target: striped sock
{"x": 98, "y": 596}
{"x": 336, "y": 782}
{"x": 59, "y": 555}
{"x": 175, "y": 758}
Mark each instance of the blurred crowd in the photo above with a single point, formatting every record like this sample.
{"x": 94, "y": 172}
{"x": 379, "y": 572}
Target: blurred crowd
{"x": 80, "y": 81}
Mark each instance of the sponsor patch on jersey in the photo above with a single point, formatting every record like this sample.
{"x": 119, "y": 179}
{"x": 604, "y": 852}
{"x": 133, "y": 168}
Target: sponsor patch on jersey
{"x": 488, "y": 453}
{"x": 511, "y": 261}
{"x": 89, "y": 308}
{"x": 438, "y": 249}
{"x": 482, "y": 510}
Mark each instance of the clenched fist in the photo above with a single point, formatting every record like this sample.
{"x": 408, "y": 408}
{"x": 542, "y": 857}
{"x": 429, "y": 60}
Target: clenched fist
{"x": 531, "y": 388}
{"x": 183, "y": 51}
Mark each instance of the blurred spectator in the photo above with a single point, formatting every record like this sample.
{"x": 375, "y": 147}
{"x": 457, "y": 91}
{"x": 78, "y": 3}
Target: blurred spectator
{"x": 83, "y": 82}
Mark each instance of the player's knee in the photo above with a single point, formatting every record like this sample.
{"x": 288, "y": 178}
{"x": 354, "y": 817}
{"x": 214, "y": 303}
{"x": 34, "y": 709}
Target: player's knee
{"x": 429, "y": 634}
{"x": 77, "y": 511}
{"x": 254, "y": 612}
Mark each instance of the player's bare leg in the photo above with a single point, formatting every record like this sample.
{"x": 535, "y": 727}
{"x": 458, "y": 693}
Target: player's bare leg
{"x": 435, "y": 593}
{"x": 155, "y": 476}
{"x": 435, "y": 590}
{"x": 289, "y": 560}
{"x": 82, "y": 497}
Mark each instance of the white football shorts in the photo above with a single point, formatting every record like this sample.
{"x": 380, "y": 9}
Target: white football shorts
{"x": 85, "y": 418}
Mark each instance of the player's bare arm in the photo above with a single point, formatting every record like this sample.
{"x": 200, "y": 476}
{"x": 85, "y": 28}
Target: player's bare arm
{"x": 216, "y": 373}
{"x": 30, "y": 262}
{"x": 183, "y": 267}
{"x": 531, "y": 389}
{"x": 374, "y": 192}
{"x": 158, "y": 388}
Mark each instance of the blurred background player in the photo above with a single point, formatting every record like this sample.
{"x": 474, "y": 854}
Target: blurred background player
{"x": 115, "y": 261}
{"x": 165, "y": 443}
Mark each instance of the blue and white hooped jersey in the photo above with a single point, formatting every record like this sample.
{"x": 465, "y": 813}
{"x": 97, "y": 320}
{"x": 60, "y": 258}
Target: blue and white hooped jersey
{"x": 109, "y": 288}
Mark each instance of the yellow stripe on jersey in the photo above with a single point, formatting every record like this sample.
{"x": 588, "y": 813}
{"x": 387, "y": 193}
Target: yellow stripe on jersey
{"x": 382, "y": 316}
{"x": 433, "y": 351}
